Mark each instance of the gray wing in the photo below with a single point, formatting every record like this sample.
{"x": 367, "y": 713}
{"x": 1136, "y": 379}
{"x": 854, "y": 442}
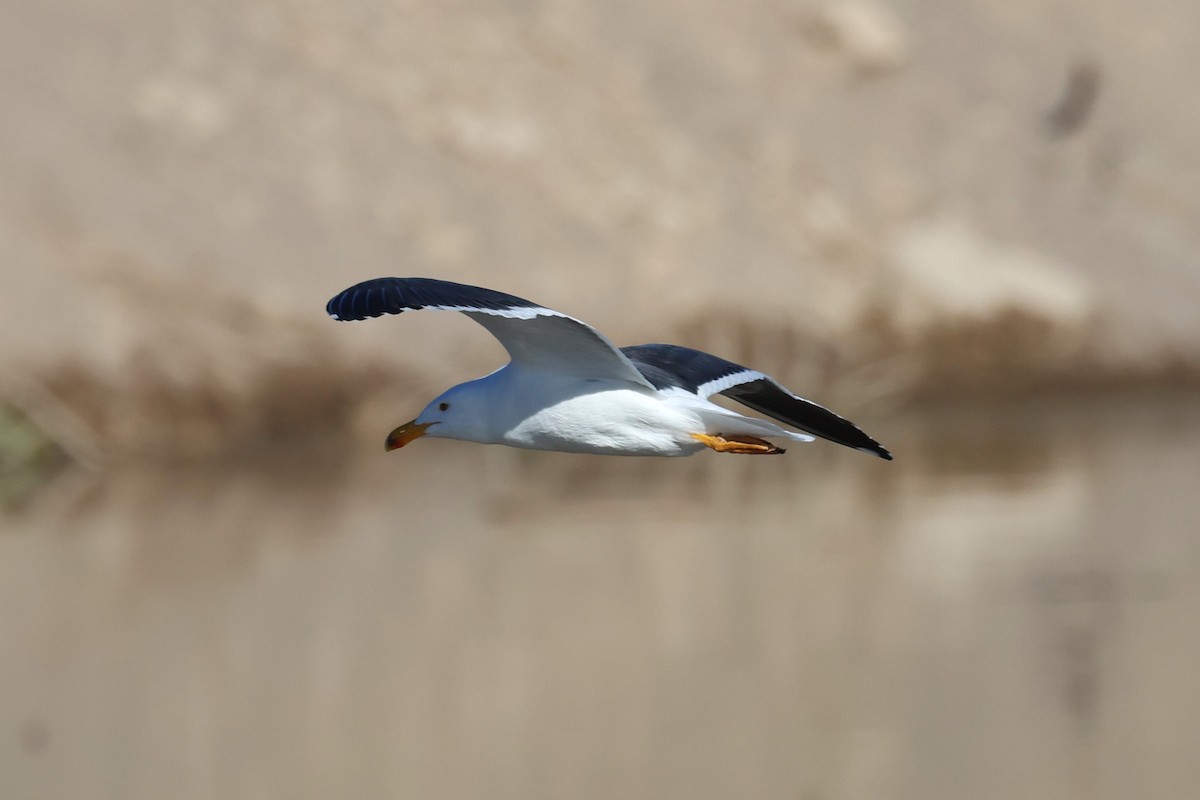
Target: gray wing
{"x": 671, "y": 366}
{"x": 536, "y": 337}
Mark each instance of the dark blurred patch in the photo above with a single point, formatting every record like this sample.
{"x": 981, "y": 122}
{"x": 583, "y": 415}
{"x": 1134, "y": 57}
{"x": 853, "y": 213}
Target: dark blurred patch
{"x": 1081, "y": 688}
{"x": 1078, "y": 99}
{"x": 34, "y": 736}
{"x": 998, "y": 442}
{"x": 1078, "y": 613}
{"x": 153, "y": 413}
{"x": 1004, "y": 355}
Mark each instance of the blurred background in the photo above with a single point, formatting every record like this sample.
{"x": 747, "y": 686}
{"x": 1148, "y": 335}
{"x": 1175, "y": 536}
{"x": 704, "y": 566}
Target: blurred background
{"x": 971, "y": 227}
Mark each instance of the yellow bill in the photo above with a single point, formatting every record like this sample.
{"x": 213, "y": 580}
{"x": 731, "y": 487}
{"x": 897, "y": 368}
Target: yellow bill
{"x": 405, "y": 434}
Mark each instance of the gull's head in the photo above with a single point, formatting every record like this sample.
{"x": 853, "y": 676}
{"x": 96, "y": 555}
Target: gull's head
{"x": 458, "y": 413}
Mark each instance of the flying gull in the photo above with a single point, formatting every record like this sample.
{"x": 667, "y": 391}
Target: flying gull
{"x": 568, "y": 388}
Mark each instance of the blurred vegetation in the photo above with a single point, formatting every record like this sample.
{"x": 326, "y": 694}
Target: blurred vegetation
{"x": 28, "y": 457}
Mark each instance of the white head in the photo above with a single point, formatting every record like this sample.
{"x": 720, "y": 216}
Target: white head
{"x": 460, "y": 412}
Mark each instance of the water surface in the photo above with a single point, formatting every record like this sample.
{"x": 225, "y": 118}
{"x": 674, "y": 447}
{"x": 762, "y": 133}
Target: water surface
{"x": 1006, "y": 611}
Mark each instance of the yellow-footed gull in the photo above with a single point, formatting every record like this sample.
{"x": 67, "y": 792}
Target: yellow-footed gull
{"x": 568, "y": 388}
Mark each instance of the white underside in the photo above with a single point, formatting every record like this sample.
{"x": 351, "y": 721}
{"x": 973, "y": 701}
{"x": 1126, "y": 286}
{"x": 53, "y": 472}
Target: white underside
{"x": 613, "y": 418}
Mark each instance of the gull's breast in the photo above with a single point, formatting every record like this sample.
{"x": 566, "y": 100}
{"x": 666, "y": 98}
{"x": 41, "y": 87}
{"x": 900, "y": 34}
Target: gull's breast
{"x": 616, "y": 421}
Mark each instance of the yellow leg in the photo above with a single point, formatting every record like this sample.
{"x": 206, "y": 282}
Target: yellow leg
{"x": 747, "y": 445}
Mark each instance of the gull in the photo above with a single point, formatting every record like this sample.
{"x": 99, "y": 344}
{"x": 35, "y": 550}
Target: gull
{"x": 568, "y": 388}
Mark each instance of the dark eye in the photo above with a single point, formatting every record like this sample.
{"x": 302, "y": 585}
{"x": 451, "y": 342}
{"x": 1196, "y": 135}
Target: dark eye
{"x": 443, "y": 406}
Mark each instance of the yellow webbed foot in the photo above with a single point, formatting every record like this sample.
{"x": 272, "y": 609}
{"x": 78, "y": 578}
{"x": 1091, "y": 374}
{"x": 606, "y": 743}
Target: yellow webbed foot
{"x": 745, "y": 445}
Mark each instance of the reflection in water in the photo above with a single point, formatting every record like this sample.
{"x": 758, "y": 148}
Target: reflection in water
{"x": 1008, "y": 610}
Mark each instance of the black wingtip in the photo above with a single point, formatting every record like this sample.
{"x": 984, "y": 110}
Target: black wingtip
{"x": 877, "y": 449}
{"x": 372, "y": 298}
{"x": 380, "y": 296}
{"x": 856, "y": 437}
